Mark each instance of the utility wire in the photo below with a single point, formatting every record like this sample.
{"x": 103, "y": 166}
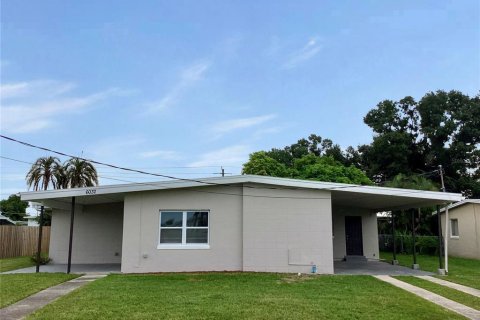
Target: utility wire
{"x": 176, "y": 178}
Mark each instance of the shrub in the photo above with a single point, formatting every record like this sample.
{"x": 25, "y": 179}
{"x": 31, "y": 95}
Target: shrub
{"x": 44, "y": 259}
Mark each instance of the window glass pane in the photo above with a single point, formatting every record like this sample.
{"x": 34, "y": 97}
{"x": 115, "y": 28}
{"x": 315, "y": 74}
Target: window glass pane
{"x": 454, "y": 225}
{"x": 172, "y": 219}
{"x": 171, "y": 236}
{"x": 197, "y": 219}
{"x": 197, "y": 235}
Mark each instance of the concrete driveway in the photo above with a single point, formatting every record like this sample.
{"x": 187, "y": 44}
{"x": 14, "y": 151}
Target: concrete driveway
{"x": 375, "y": 268}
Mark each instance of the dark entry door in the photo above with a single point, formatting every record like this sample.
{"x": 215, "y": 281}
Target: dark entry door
{"x": 353, "y": 236}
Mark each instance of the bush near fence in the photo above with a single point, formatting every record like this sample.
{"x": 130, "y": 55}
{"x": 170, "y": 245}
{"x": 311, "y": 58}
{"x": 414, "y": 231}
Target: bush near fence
{"x": 404, "y": 244}
{"x": 18, "y": 241}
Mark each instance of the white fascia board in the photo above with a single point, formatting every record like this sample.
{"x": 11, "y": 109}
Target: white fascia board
{"x": 280, "y": 182}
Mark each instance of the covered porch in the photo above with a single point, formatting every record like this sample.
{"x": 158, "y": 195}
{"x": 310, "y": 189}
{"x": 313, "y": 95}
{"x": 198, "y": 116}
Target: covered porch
{"x": 355, "y": 227}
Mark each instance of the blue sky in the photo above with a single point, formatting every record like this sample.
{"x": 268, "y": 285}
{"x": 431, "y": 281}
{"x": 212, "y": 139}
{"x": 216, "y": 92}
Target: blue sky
{"x": 164, "y": 85}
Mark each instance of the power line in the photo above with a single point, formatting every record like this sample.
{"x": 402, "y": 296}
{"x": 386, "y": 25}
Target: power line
{"x": 177, "y": 178}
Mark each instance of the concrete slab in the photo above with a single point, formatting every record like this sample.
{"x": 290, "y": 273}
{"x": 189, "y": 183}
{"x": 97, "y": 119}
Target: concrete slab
{"x": 24, "y": 307}
{"x": 459, "y": 308}
{"x": 374, "y": 268}
{"x": 76, "y": 268}
{"x": 456, "y": 286}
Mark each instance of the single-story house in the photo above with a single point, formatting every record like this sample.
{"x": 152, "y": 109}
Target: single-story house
{"x": 463, "y": 228}
{"x": 237, "y": 223}
{"x": 32, "y": 221}
{"x": 6, "y": 221}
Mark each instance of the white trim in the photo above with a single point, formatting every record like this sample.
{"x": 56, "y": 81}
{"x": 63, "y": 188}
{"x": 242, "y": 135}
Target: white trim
{"x": 184, "y": 228}
{"x": 240, "y": 179}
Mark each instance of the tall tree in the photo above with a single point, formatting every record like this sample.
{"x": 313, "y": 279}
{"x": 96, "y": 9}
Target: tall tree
{"x": 43, "y": 173}
{"x": 310, "y": 159}
{"x": 13, "y": 207}
{"x": 80, "y": 173}
{"x": 443, "y": 128}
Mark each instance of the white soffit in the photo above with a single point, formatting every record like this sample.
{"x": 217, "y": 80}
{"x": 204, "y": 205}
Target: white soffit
{"x": 339, "y": 190}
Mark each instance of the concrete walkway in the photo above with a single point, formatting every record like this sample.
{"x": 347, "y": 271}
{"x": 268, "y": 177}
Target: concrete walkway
{"x": 23, "y": 308}
{"x": 459, "y": 308}
{"x": 456, "y": 286}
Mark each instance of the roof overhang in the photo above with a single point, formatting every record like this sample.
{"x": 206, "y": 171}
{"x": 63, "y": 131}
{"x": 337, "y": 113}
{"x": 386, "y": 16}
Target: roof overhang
{"x": 370, "y": 197}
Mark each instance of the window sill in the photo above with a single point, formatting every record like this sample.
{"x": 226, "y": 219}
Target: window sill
{"x": 454, "y": 237}
{"x": 183, "y": 247}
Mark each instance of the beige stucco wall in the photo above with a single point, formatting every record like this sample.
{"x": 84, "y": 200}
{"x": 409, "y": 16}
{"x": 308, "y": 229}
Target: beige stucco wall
{"x": 282, "y": 233}
{"x": 467, "y": 245}
{"x": 97, "y": 234}
{"x": 369, "y": 231}
{"x": 141, "y": 231}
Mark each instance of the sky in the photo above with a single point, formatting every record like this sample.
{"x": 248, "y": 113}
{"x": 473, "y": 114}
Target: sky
{"x": 185, "y": 87}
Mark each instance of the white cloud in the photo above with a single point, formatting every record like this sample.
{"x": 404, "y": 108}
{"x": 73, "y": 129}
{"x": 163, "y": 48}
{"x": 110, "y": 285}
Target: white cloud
{"x": 310, "y": 50}
{"x": 33, "y": 106}
{"x": 161, "y": 154}
{"x": 188, "y": 77}
{"x": 230, "y": 156}
{"x": 241, "y": 123}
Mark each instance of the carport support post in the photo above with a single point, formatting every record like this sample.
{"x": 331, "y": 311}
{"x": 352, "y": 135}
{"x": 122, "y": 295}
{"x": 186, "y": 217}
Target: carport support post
{"x": 441, "y": 271}
{"x": 72, "y": 216}
{"x": 414, "y": 244}
{"x": 39, "y": 245}
{"x": 394, "y": 261}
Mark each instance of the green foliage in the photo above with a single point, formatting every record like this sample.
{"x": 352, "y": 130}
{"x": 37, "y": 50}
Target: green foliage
{"x": 74, "y": 173}
{"x": 43, "y": 173}
{"x": 44, "y": 258}
{"x": 261, "y": 164}
{"x": 13, "y": 207}
{"x": 443, "y": 128}
{"x": 80, "y": 173}
{"x": 309, "y": 166}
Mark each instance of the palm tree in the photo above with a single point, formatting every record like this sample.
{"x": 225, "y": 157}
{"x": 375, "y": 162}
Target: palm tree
{"x": 61, "y": 177}
{"x": 43, "y": 173}
{"x": 80, "y": 173}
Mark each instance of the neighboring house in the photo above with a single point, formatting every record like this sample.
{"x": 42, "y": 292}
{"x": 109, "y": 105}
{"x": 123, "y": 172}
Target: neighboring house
{"x": 463, "y": 229}
{"x": 6, "y": 221}
{"x": 238, "y": 223}
{"x": 32, "y": 221}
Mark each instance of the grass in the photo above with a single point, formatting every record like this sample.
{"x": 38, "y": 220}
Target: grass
{"x": 452, "y": 294}
{"x": 240, "y": 296}
{"x": 460, "y": 270}
{"x": 14, "y": 287}
{"x": 8, "y": 264}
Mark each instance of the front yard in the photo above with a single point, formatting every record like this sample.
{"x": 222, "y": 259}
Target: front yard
{"x": 8, "y": 264}
{"x": 14, "y": 287}
{"x": 240, "y": 296}
{"x": 460, "y": 270}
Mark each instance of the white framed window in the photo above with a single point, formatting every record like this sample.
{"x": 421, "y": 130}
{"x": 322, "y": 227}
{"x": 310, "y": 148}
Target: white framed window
{"x": 184, "y": 229}
{"x": 454, "y": 228}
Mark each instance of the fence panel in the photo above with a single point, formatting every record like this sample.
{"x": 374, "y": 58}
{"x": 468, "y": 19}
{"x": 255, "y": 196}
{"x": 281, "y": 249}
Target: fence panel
{"x": 16, "y": 241}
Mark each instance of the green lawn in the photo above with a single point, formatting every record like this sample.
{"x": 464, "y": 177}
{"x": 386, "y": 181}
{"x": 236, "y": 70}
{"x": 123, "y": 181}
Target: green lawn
{"x": 240, "y": 296}
{"x": 460, "y": 270}
{"x": 14, "y": 287}
{"x": 8, "y": 264}
{"x": 452, "y": 294}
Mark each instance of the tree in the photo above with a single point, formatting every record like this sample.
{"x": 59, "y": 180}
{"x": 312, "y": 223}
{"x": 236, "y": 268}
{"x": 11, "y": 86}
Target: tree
{"x": 309, "y": 159}
{"x": 80, "y": 173}
{"x": 426, "y": 221}
{"x": 13, "y": 207}
{"x": 411, "y": 137}
{"x": 43, "y": 173}
{"x": 261, "y": 164}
